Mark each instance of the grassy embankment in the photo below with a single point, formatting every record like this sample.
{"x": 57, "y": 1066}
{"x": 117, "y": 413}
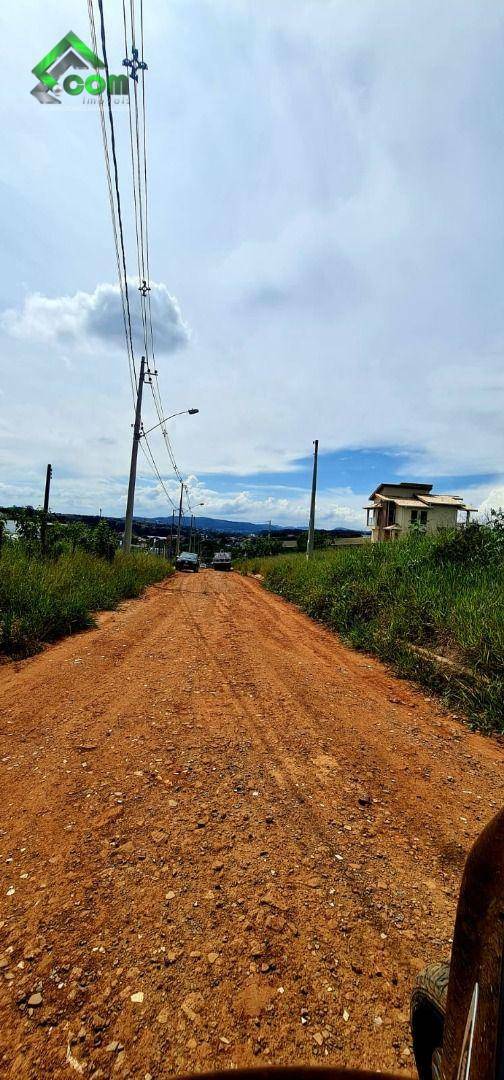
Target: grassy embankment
{"x": 431, "y": 606}
{"x": 44, "y": 599}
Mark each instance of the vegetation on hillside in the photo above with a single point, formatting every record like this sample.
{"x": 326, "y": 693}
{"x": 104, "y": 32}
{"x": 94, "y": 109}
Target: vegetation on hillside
{"x": 432, "y": 606}
{"x": 252, "y": 547}
{"x": 51, "y": 587}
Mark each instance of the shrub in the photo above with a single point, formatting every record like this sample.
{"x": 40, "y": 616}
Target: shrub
{"x": 43, "y": 599}
{"x": 443, "y": 593}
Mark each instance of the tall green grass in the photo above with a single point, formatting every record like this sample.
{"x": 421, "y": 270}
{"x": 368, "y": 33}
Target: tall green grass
{"x": 441, "y": 594}
{"x": 44, "y": 599}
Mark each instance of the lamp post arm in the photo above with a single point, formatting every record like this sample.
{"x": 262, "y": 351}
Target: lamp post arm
{"x": 164, "y": 421}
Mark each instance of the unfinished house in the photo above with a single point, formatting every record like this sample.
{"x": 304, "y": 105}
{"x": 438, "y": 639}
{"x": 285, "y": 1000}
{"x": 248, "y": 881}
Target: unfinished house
{"x": 394, "y": 508}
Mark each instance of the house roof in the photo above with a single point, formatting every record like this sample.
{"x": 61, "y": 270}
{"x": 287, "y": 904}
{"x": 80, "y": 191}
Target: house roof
{"x": 412, "y": 504}
{"x": 441, "y": 500}
{"x": 416, "y": 488}
{"x": 419, "y": 496}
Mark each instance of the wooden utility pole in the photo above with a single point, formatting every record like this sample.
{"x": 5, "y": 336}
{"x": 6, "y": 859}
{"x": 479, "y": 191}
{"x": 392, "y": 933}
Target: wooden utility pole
{"x": 128, "y": 521}
{"x": 43, "y": 526}
{"x": 311, "y": 527}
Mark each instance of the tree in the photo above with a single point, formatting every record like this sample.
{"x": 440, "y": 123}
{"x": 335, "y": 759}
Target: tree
{"x": 28, "y": 526}
{"x": 257, "y": 546}
{"x": 104, "y": 541}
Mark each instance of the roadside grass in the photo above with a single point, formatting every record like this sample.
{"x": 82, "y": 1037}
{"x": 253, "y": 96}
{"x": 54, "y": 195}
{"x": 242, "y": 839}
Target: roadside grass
{"x": 44, "y": 599}
{"x": 431, "y": 606}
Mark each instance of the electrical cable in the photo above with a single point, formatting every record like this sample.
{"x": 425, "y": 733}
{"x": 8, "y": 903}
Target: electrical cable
{"x": 152, "y": 462}
{"x": 116, "y": 171}
{"x": 123, "y": 295}
{"x": 138, "y": 143}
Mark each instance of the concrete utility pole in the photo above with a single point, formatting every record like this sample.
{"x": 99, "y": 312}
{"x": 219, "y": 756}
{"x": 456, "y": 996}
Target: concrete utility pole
{"x": 128, "y": 521}
{"x": 172, "y": 528}
{"x": 311, "y": 527}
{"x": 43, "y": 526}
{"x": 179, "y": 518}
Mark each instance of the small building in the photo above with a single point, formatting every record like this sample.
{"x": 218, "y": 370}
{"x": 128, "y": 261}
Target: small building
{"x": 395, "y": 508}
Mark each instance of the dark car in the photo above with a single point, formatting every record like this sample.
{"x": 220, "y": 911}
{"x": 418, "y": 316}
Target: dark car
{"x": 187, "y": 560}
{"x": 221, "y": 561}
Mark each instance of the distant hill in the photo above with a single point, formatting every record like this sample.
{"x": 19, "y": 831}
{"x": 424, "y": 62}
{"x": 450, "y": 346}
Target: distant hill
{"x": 205, "y": 524}
{"x": 217, "y": 525}
{"x": 247, "y": 528}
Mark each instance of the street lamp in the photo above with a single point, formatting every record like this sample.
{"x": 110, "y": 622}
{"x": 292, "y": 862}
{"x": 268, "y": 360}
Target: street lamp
{"x": 194, "y": 521}
{"x": 185, "y": 412}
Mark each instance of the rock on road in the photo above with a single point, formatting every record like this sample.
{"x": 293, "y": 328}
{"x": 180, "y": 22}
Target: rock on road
{"x": 225, "y": 839}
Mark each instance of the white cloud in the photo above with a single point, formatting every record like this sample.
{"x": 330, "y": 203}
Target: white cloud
{"x": 335, "y": 506}
{"x": 83, "y": 318}
{"x": 485, "y": 498}
{"x": 325, "y": 200}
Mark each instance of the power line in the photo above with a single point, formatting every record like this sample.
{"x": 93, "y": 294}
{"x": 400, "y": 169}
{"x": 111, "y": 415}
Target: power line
{"x": 116, "y": 174}
{"x": 123, "y": 294}
{"x": 138, "y": 146}
{"x": 134, "y": 172}
{"x": 144, "y": 127}
{"x": 138, "y": 151}
{"x": 152, "y": 462}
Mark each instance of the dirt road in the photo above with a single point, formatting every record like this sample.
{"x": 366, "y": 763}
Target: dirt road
{"x": 225, "y": 839}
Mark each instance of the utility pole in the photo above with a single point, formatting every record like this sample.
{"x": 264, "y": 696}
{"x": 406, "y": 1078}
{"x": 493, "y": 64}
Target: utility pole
{"x": 128, "y": 521}
{"x": 311, "y": 527}
{"x": 172, "y": 528}
{"x": 179, "y": 517}
{"x": 43, "y": 526}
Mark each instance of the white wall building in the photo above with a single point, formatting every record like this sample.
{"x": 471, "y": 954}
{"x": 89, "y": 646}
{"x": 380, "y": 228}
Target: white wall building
{"x": 395, "y": 508}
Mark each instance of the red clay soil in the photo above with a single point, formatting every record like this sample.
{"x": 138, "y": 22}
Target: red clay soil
{"x": 225, "y": 840}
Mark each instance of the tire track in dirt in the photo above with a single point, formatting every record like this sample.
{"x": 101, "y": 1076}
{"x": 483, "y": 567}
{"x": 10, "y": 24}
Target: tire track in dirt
{"x": 284, "y": 773}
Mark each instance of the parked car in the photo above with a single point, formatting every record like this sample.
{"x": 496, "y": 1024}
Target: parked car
{"x": 221, "y": 561}
{"x": 187, "y": 560}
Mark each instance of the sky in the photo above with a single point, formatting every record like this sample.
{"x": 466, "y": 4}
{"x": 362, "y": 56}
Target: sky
{"x": 326, "y": 257}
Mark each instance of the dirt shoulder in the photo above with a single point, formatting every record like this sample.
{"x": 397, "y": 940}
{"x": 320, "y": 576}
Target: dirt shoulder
{"x": 225, "y": 839}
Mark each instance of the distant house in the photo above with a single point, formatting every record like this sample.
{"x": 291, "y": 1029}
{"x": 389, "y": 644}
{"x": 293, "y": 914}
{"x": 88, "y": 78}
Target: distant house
{"x": 395, "y": 508}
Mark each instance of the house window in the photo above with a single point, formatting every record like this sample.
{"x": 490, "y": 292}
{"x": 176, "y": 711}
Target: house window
{"x": 423, "y": 517}
{"x": 391, "y": 513}
{"x": 418, "y": 517}
{"x": 414, "y": 516}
